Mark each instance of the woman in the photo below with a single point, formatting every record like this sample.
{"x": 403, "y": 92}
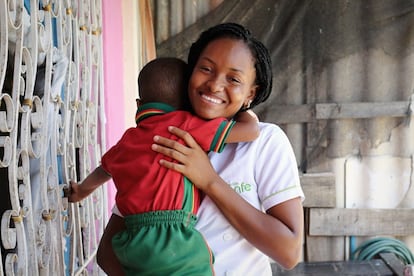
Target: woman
{"x": 253, "y": 204}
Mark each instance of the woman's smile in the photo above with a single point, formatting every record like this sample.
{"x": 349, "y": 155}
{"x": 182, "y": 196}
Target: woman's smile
{"x": 211, "y": 99}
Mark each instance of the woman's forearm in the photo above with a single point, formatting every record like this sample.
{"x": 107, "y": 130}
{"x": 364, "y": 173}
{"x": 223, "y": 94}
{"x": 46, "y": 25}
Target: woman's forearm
{"x": 277, "y": 233}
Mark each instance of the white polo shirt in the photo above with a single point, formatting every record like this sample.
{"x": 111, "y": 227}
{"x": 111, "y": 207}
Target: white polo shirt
{"x": 264, "y": 172}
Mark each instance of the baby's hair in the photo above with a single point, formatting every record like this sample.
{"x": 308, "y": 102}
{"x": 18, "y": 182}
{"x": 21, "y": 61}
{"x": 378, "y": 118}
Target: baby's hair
{"x": 263, "y": 63}
{"x": 164, "y": 80}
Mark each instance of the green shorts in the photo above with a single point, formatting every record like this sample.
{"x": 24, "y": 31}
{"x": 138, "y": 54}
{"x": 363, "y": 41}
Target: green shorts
{"x": 163, "y": 243}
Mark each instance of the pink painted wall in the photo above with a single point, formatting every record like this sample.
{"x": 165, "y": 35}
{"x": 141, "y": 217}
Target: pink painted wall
{"x": 113, "y": 77}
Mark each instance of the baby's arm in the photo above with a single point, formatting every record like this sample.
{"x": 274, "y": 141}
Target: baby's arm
{"x": 78, "y": 192}
{"x": 245, "y": 129}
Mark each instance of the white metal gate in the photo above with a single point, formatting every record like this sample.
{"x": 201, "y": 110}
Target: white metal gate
{"x": 51, "y": 131}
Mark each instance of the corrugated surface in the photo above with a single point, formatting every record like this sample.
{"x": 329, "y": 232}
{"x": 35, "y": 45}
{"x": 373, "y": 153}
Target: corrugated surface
{"x": 171, "y": 17}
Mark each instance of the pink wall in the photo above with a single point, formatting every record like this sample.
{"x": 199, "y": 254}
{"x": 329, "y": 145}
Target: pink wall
{"x": 113, "y": 77}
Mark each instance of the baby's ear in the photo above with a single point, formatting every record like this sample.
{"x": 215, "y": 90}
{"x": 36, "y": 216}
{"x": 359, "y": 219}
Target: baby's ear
{"x": 138, "y": 102}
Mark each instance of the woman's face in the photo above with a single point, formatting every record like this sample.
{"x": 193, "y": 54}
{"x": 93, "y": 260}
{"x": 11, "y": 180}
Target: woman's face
{"x": 223, "y": 79}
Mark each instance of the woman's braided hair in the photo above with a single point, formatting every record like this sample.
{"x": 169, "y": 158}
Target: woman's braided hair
{"x": 263, "y": 63}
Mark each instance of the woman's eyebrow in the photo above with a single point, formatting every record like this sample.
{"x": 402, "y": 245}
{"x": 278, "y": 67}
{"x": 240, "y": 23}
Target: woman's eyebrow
{"x": 231, "y": 68}
{"x": 208, "y": 59}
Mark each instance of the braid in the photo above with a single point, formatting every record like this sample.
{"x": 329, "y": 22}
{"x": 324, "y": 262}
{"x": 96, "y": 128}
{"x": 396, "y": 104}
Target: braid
{"x": 263, "y": 63}
{"x": 264, "y": 77}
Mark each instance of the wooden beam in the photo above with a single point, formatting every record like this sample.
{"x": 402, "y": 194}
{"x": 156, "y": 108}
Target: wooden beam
{"x": 291, "y": 114}
{"x": 362, "y": 110}
{"x": 322, "y": 249}
{"x": 393, "y": 262}
{"x": 360, "y": 222}
{"x": 308, "y": 113}
{"x": 319, "y": 189}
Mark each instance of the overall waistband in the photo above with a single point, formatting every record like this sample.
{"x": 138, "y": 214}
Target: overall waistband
{"x": 160, "y": 217}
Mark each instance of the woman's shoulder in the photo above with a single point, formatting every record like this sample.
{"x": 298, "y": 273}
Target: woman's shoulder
{"x": 266, "y": 125}
{"x": 272, "y": 134}
{"x": 270, "y": 129}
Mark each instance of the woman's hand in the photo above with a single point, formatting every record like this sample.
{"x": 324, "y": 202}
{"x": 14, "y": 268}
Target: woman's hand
{"x": 192, "y": 161}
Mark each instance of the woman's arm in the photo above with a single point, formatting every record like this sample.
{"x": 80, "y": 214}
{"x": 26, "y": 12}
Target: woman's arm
{"x": 105, "y": 256}
{"x": 278, "y": 233}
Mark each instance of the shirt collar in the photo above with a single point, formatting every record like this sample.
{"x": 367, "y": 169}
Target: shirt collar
{"x": 151, "y": 109}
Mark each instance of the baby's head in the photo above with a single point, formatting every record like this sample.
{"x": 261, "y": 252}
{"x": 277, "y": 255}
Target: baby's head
{"x": 164, "y": 80}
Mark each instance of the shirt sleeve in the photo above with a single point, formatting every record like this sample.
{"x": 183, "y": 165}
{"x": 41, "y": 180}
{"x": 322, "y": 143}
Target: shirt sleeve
{"x": 220, "y": 138}
{"x": 211, "y": 135}
{"x": 112, "y": 154}
{"x": 276, "y": 168}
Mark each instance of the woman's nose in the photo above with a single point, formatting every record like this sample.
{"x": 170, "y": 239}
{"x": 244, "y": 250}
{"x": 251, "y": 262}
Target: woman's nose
{"x": 216, "y": 84}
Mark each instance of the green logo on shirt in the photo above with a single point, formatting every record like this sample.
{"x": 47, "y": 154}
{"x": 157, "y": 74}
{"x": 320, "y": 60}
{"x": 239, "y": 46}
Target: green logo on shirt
{"x": 241, "y": 187}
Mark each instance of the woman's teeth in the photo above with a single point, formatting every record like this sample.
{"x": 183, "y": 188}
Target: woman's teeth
{"x": 210, "y": 99}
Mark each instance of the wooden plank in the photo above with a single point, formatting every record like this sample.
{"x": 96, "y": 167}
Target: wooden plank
{"x": 322, "y": 249}
{"x": 371, "y": 267}
{"x": 360, "y": 222}
{"x": 308, "y": 113}
{"x": 290, "y": 114}
{"x": 318, "y": 249}
{"x": 362, "y": 110}
{"x": 393, "y": 262}
{"x": 319, "y": 189}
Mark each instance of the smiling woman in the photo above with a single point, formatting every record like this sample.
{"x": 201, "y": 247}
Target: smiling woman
{"x": 231, "y": 72}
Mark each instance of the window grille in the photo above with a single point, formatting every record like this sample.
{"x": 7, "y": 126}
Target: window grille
{"x": 51, "y": 131}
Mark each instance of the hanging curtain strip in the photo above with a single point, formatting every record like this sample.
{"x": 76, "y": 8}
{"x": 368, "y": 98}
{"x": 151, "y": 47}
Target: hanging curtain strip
{"x": 148, "y": 38}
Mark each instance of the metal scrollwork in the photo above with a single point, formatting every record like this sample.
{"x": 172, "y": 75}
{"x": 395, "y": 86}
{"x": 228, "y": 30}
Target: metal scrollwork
{"x": 51, "y": 88}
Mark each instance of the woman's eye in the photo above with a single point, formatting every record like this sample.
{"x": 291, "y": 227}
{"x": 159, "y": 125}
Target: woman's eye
{"x": 234, "y": 80}
{"x": 205, "y": 69}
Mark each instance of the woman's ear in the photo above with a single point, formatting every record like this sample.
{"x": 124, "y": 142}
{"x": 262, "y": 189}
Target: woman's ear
{"x": 252, "y": 94}
{"x": 247, "y": 104}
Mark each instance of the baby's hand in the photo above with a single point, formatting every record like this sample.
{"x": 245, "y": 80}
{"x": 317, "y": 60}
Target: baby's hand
{"x": 73, "y": 192}
{"x": 66, "y": 191}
